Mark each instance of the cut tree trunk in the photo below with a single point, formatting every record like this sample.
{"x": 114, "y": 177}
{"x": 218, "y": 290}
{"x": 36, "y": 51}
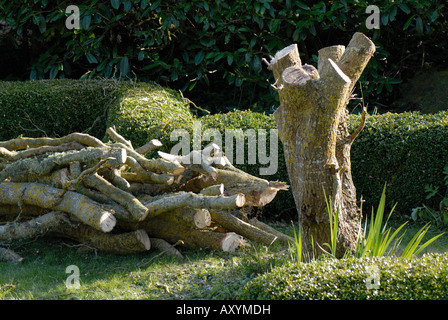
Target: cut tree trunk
{"x": 313, "y": 126}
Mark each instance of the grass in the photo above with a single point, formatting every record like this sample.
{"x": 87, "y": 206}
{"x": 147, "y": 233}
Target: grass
{"x": 200, "y": 275}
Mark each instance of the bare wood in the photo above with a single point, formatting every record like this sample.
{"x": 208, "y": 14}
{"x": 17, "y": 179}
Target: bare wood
{"x": 23, "y": 142}
{"x": 192, "y": 217}
{"x": 151, "y": 145}
{"x": 153, "y": 164}
{"x": 195, "y": 159}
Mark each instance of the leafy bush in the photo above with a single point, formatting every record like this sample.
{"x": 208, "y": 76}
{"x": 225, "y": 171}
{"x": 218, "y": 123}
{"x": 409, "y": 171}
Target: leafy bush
{"x": 213, "y": 49}
{"x": 55, "y": 107}
{"x": 147, "y": 112}
{"x": 424, "y": 278}
{"x": 58, "y": 107}
{"x": 406, "y": 151}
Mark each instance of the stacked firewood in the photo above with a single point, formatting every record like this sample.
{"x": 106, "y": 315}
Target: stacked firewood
{"x": 114, "y": 198}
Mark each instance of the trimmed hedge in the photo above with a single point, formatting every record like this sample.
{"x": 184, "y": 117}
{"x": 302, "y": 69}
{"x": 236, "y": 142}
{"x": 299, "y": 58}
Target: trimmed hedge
{"x": 424, "y": 278}
{"x": 140, "y": 111}
{"x": 55, "y": 107}
{"x": 406, "y": 150}
{"x": 147, "y": 112}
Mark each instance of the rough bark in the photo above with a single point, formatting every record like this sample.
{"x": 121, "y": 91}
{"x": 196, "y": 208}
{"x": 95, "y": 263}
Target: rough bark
{"x": 191, "y": 217}
{"x": 190, "y": 199}
{"x": 127, "y": 200}
{"x": 190, "y": 237}
{"x": 232, "y": 223}
{"x": 34, "y": 227}
{"x": 164, "y": 246}
{"x": 48, "y": 197}
{"x": 313, "y": 127}
{"x": 77, "y": 187}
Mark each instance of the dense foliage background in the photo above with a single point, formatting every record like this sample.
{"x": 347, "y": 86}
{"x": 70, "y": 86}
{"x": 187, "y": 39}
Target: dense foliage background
{"x": 213, "y": 50}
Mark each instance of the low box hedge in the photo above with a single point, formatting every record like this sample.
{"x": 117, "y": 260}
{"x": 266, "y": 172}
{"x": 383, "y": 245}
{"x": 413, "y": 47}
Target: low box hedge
{"x": 390, "y": 278}
{"x": 55, "y": 107}
{"x": 406, "y": 151}
{"x": 140, "y": 111}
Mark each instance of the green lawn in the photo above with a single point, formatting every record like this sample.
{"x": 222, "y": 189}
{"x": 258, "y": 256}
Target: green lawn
{"x": 200, "y": 275}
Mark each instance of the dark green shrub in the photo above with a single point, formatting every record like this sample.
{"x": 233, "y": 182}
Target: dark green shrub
{"x": 424, "y": 278}
{"x": 215, "y": 47}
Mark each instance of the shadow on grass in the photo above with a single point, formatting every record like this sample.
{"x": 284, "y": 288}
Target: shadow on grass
{"x": 152, "y": 275}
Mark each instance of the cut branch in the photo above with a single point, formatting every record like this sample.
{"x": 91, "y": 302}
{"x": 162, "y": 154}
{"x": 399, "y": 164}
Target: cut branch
{"x": 52, "y": 198}
{"x": 232, "y": 223}
{"x": 193, "y": 200}
{"x": 151, "y": 145}
{"x": 44, "y": 166}
{"x": 118, "y": 138}
{"x": 23, "y": 142}
{"x": 127, "y": 200}
{"x": 34, "y": 227}
{"x": 192, "y": 238}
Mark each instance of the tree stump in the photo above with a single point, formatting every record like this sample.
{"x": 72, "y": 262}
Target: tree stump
{"x": 313, "y": 126}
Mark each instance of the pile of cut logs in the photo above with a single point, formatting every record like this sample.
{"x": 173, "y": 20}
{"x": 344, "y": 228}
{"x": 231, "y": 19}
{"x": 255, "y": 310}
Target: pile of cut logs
{"x": 114, "y": 198}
